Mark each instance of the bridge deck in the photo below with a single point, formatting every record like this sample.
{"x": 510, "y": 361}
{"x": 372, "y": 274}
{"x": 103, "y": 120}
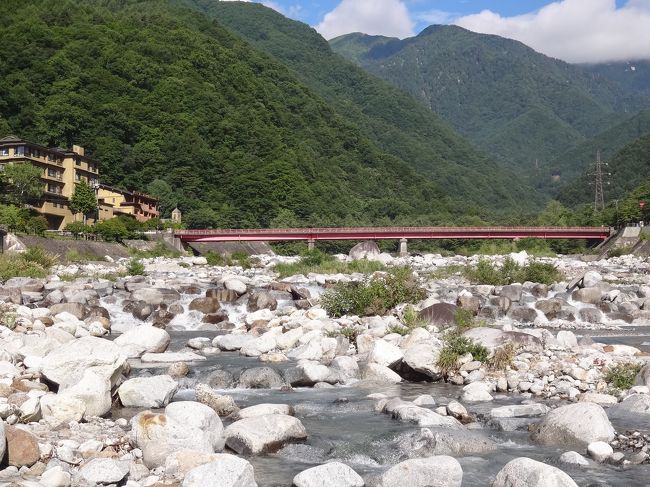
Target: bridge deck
{"x": 391, "y": 233}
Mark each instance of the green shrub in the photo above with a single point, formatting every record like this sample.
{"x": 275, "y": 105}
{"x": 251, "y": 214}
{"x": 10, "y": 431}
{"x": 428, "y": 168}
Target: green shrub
{"x": 313, "y": 258}
{"x": 326, "y": 264}
{"x": 487, "y": 273}
{"x": 618, "y": 251}
{"x": 76, "y": 256}
{"x": 621, "y": 376}
{"x": 7, "y": 316}
{"x": 113, "y": 230}
{"x": 214, "y": 258}
{"x": 39, "y": 256}
{"x": 135, "y": 267}
{"x": 77, "y": 229}
{"x": 15, "y": 265}
{"x": 36, "y": 225}
{"x": 373, "y": 296}
{"x": 158, "y": 250}
{"x": 455, "y": 347}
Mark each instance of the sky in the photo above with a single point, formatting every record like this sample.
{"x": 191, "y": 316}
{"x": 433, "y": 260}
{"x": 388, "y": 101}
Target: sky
{"x": 576, "y": 31}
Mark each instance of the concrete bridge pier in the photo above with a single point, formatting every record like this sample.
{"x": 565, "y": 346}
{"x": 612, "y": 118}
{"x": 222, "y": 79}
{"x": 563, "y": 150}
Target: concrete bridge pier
{"x": 311, "y": 244}
{"x": 403, "y": 247}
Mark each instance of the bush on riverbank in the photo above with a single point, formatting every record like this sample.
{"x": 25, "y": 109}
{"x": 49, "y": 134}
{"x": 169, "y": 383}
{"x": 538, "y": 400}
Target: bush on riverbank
{"x": 374, "y": 296}
{"x": 317, "y": 262}
{"x": 455, "y": 347}
{"x": 34, "y": 263}
{"x": 486, "y": 272}
{"x": 621, "y": 376}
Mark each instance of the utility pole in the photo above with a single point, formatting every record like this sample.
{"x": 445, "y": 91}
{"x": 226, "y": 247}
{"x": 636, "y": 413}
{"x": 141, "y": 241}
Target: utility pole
{"x": 599, "y": 174}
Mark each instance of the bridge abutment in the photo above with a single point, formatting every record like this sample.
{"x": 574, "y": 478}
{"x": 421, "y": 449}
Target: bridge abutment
{"x": 311, "y": 244}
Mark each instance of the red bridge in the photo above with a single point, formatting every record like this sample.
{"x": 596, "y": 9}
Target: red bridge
{"x": 312, "y": 235}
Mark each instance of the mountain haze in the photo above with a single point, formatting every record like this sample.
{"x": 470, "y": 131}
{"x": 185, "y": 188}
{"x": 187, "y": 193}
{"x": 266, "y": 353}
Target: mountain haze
{"x": 513, "y": 102}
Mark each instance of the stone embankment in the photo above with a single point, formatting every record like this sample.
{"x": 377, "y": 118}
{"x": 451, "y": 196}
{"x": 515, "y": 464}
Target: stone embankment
{"x": 95, "y": 391}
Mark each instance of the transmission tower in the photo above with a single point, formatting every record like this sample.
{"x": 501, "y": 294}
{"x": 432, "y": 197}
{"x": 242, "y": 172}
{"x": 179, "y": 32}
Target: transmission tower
{"x": 599, "y": 175}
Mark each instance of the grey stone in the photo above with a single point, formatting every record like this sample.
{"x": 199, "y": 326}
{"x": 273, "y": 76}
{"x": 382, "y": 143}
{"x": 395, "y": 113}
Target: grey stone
{"x": 436, "y": 471}
{"x": 104, "y": 471}
{"x": 262, "y": 434}
{"x": 574, "y": 426}
{"x": 525, "y": 472}
{"x": 330, "y": 474}
{"x": 260, "y": 378}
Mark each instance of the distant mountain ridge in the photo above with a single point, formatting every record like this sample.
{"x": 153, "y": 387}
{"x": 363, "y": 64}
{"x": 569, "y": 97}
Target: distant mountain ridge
{"x": 513, "y": 102}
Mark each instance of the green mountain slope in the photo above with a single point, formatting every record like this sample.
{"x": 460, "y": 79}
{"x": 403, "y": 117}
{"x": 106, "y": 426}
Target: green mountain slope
{"x": 634, "y": 75}
{"x": 575, "y": 162}
{"x": 386, "y": 115}
{"x": 628, "y": 167}
{"x": 510, "y": 100}
{"x": 154, "y": 91}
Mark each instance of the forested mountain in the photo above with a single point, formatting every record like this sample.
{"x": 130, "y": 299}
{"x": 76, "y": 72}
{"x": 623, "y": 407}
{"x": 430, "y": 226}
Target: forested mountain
{"x": 157, "y": 91}
{"x": 511, "y": 101}
{"x": 634, "y": 75}
{"x": 628, "y": 168}
{"x": 388, "y": 116}
{"x": 575, "y": 162}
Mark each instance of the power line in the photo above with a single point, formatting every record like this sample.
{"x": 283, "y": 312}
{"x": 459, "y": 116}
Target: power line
{"x": 599, "y": 176}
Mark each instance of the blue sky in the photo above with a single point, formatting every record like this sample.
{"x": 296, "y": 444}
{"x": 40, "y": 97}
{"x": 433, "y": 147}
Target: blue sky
{"x": 312, "y": 12}
{"x": 578, "y": 31}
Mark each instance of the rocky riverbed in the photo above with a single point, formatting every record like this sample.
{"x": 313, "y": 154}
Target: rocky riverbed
{"x": 194, "y": 375}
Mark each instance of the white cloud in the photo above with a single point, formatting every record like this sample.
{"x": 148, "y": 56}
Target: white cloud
{"x": 374, "y": 17}
{"x": 434, "y": 17}
{"x": 575, "y": 30}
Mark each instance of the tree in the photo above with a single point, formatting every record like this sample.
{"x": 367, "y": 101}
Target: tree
{"x": 23, "y": 183}
{"x": 167, "y": 199}
{"x": 83, "y": 199}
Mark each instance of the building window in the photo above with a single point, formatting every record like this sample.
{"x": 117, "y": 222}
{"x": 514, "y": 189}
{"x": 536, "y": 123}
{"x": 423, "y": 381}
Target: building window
{"x": 4, "y": 151}
{"x": 77, "y": 162}
{"x": 19, "y": 151}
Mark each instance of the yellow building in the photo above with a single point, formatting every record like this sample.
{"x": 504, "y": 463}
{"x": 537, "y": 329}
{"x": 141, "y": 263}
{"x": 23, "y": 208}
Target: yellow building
{"x": 61, "y": 170}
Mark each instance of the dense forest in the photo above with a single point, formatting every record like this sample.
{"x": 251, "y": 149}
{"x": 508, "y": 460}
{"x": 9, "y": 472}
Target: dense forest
{"x": 516, "y": 104}
{"x": 166, "y": 97}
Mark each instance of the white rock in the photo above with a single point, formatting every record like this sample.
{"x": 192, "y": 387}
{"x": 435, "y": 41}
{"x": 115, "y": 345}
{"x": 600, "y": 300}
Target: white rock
{"x": 435, "y": 471}
{"x": 235, "y": 285}
{"x": 260, "y": 433}
{"x": 94, "y": 390}
{"x": 145, "y": 338}
{"x": 591, "y": 279}
{"x": 600, "y": 451}
{"x": 55, "y": 477}
{"x": 380, "y": 373}
{"x": 264, "y": 409}
{"x": 3, "y": 439}
{"x": 384, "y": 353}
{"x": 476, "y": 391}
{"x": 573, "y": 458}
{"x": 346, "y": 368}
{"x": 104, "y": 471}
{"x": 201, "y": 417}
{"x": 520, "y": 411}
{"x": 227, "y": 471}
{"x": 67, "y": 364}
{"x": 233, "y": 341}
{"x": 147, "y": 392}
{"x": 524, "y": 472}
{"x": 170, "y": 357}
{"x": 575, "y": 426}
{"x": 329, "y": 475}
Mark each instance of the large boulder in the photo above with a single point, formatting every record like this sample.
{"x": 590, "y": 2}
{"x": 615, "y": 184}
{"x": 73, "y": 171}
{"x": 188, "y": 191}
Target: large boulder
{"x": 3, "y": 439}
{"x": 330, "y": 474}
{"x": 147, "y": 392}
{"x": 385, "y": 353}
{"x": 260, "y": 378}
{"x": 145, "y": 338}
{"x": 66, "y": 365}
{"x": 439, "y": 314}
{"x": 205, "y": 305}
{"x": 643, "y": 377}
{"x": 525, "y": 472}
{"x": 58, "y": 409}
{"x": 420, "y": 362}
{"x": 94, "y": 390}
{"x": 457, "y": 441}
{"x": 263, "y": 410}
{"x": 364, "y": 250}
{"x": 198, "y": 416}
{"x": 155, "y": 296}
{"x": 591, "y": 295}
{"x": 223, "y": 405}
{"x": 225, "y": 471}
{"x": 261, "y": 434}
{"x": 261, "y": 300}
{"x": 574, "y": 426}
{"x": 380, "y": 373}
{"x": 103, "y": 471}
{"x": 22, "y": 447}
{"x": 632, "y": 404}
{"x": 436, "y": 471}
{"x": 159, "y": 435}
